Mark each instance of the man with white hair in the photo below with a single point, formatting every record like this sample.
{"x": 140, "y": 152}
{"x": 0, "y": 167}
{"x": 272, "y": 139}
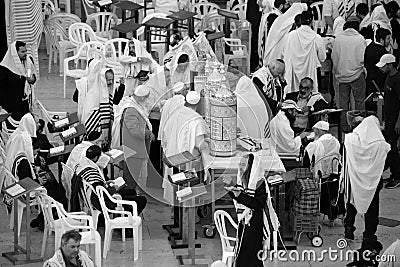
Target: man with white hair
{"x": 132, "y": 128}
{"x": 281, "y": 132}
{"x": 268, "y": 81}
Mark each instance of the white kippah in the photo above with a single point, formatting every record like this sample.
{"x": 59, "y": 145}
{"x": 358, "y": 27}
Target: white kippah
{"x": 141, "y": 90}
{"x": 322, "y": 125}
{"x": 179, "y": 86}
{"x": 193, "y": 97}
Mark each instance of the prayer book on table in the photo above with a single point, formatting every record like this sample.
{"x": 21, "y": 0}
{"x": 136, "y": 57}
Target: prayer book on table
{"x": 103, "y": 161}
{"x": 178, "y": 159}
{"x": 184, "y": 192}
{"x": 56, "y": 150}
{"x": 69, "y": 132}
{"x": 22, "y": 187}
{"x": 115, "y": 153}
{"x": 61, "y": 123}
{"x": 184, "y": 177}
{"x": 104, "y": 2}
{"x": 274, "y": 179}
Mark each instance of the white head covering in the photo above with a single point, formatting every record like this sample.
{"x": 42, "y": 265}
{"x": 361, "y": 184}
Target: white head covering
{"x": 20, "y": 142}
{"x": 179, "y": 86}
{"x": 366, "y": 151}
{"x": 379, "y": 18}
{"x": 338, "y": 24}
{"x": 12, "y": 61}
{"x": 141, "y": 90}
{"x": 193, "y": 97}
{"x": 218, "y": 264}
{"x": 178, "y": 76}
{"x": 322, "y": 125}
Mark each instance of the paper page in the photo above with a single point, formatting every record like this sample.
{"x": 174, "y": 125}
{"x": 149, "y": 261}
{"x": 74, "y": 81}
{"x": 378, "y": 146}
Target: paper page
{"x": 184, "y": 192}
{"x": 61, "y": 123}
{"x": 115, "y": 153}
{"x": 15, "y": 190}
{"x": 105, "y": 2}
{"x": 178, "y": 177}
{"x": 103, "y": 161}
{"x": 57, "y": 150}
{"x": 69, "y": 132}
{"x": 119, "y": 181}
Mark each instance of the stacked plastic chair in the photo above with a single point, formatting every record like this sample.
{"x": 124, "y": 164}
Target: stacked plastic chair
{"x": 26, "y": 24}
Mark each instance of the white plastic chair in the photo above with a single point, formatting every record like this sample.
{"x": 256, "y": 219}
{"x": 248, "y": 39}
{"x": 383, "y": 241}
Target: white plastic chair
{"x": 50, "y": 224}
{"x": 318, "y": 20}
{"x": 82, "y": 54}
{"x": 203, "y": 8}
{"x": 239, "y": 52}
{"x": 228, "y": 253}
{"x": 114, "y": 48}
{"x": 72, "y": 221}
{"x": 132, "y": 220}
{"x": 48, "y": 117}
{"x": 66, "y": 177}
{"x": 229, "y": 4}
{"x": 57, "y": 39}
{"x": 80, "y": 33}
{"x": 87, "y": 191}
{"x": 103, "y": 22}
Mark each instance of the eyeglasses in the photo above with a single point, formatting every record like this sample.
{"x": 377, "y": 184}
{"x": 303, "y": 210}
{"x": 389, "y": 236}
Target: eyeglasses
{"x": 304, "y": 87}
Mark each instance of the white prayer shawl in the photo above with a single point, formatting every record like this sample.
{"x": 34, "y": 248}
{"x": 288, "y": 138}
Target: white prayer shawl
{"x": 12, "y": 62}
{"x": 392, "y": 250}
{"x": 132, "y": 68}
{"x": 277, "y": 37}
{"x": 169, "y": 107}
{"x": 338, "y": 24}
{"x": 283, "y": 135}
{"x": 380, "y": 19}
{"x": 244, "y": 213}
{"x": 252, "y": 113}
{"x": 364, "y": 160}
{"x": 176, "y": 76}
{"x": 126, "y": 102}
{"x": 58, "y": 260}
{"x": 322, "y": 147}
{"x": 304, "y": 51}
{"x": 21, "y": 141}
{"x": 366, "y": 21}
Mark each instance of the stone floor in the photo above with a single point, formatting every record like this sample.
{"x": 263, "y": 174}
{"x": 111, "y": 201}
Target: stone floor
{"x": 156, "y": 249}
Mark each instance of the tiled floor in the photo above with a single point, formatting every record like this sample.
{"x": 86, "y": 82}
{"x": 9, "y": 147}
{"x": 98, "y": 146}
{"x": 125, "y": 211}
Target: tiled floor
{"x": 156, "y": 249}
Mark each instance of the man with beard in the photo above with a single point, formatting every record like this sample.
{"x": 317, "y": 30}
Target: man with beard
{"x": 308, "y": 101}
{"x": 281, "y": 133}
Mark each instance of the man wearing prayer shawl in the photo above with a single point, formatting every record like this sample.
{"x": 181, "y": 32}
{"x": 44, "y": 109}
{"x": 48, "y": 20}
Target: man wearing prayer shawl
{"x": 180, "y": 69}
{"x": 256, "y": 215}
{"x": 16, "y": 80}
{"x": 69, "y": 253}
{"x": 277, "y": 36}
{"x": 252, "y": 110}
{"x": 304, "y": 52}
{"x": 267, "y": 81}
{"x": 132, "y": 128}
{"x": 184, "y": 131}
{"x": 334, "y": 8}
{"x": 365, "y": 151}
{"x": 95, "y": 105}
{"x": 282, "y": 133}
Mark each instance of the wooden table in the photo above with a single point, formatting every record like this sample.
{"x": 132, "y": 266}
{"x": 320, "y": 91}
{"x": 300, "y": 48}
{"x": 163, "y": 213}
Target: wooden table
{"x": 182, "y": 15}
{"x": 160, "y": 23}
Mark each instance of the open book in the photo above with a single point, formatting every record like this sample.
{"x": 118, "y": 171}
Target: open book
{"x": 68, "y": 133}
{"x": 103, "y": 161}
{"x": 115, "y": 153}
{"x": 56, "y": 150}
{"x": 61, "y": 123}
{"x": 119, "y": 182}
{"x": 105, "y": 2}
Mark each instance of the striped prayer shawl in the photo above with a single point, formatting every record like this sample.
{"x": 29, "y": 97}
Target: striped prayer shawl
{"x": 91, "y": 175}
{"x": 101, "y": 118}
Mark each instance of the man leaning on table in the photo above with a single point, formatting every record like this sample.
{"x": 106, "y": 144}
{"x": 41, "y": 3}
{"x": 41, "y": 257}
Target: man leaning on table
{"x": 282, "y": 134}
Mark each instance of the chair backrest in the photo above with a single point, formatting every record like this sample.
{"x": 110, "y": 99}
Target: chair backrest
{"x": 230, "y": 3}
{"x": 87, "y": 191}
{"x": 92, "y": 49}
{"x": 114, "y": 48}
{"x": 212, "y": 21}
{"x": 54, "y": 32}
{"x": 326, "y": 166}
{"x": 101, "y": 191}
{"x": 234, "y": 44}
{"x": 46, "y": 204}
{"x": 240, "y": 10}
{"x": 102, "y": 22}
{"x": 65, "y": 21}
{"x": 80, "y": 33}
{"x": 318, "y": 19}
{"x": 220, "y": 217}
{"x": 203, "y": 8}
{"x": 190, "y": 3}
{"x": 66, "y": 178}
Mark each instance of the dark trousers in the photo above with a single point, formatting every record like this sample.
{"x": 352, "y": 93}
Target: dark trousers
{"x": 254, "y": 59}
{"x": 393, "y": 158}
{"x": 371, "y": 217}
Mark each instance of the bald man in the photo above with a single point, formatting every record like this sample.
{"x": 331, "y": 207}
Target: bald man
{"x": 268, "y": 80}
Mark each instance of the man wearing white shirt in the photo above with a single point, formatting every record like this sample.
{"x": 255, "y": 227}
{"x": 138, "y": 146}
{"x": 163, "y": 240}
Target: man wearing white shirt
{"x": 281, "y": 132}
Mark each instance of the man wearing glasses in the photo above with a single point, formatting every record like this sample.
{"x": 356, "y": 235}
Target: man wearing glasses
{"x": 308, "y": 101}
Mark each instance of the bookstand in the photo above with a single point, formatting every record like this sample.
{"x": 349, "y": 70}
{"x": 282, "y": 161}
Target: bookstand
{"x": 66, "y": 122}
{"x": 182, "y": 15}
{"x": 27, "y": 185}
{"x": 80, "y": 130}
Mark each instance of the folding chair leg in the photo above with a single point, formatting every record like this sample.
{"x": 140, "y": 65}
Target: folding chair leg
{"x": 44, "y": 241}
{"x": 136, "y": 243}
